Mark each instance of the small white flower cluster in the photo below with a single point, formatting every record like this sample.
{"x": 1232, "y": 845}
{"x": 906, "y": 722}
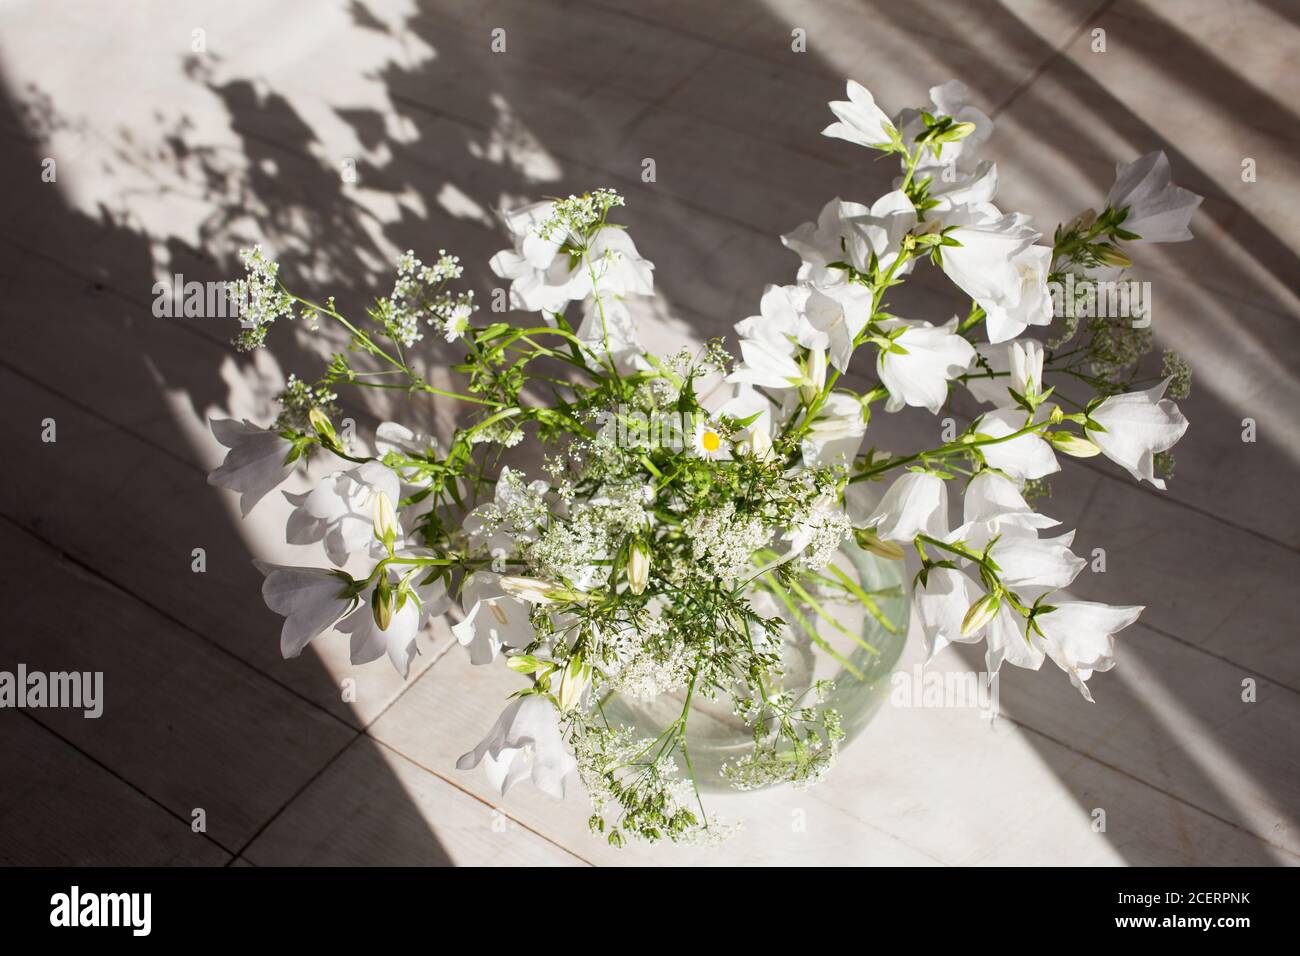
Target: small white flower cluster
{"x": 576, "y": 547}
{"x": 724, "y": 543}
{"x": 644, "y": 789}
{"x": 815, "y": 731}
{"x": 419, "y": 298}
{"x": 821, "y": 530}
{"x": 258, "y": 297}
{"x": 575, "y": 216}
{"x": 635, "y": 665}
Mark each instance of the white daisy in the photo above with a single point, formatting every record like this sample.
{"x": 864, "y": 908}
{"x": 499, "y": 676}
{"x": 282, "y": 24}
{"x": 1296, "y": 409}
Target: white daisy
{"x": 709, "y": 442}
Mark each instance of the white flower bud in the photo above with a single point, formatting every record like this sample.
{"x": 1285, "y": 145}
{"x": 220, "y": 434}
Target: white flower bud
{"x": 638, "y": 567}
{"x": 814, "y": 375}
{"x": 533, "y": 590}
{"x": 1072, "y": 444}
{"x": 869, "y": 540}
{"x": 980, "y": 613}
{"x": 385, "y": 519}
{"x": 760, "y": 441}
{"x": 573, "y": 682}
{"x": 382, "y": 604}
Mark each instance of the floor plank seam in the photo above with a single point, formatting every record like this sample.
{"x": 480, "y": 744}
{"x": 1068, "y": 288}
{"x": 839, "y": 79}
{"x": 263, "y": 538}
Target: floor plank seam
{"x": 128, "y": 593}
{"x": 1246, "y": 670}
{"x": 1055, "y": 55}
{"x": 826, "y": 73}
{"x": 88, "y": 410}
{"x": 292, "y": 798}
{"x": 1260, "y": 838}
{"x": 487, "y": 803}
{"x": 188, "y": 824}
{"x": 407, "y": 685}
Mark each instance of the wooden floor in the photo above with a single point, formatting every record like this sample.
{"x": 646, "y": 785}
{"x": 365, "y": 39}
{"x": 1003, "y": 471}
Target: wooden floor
{"x": 168, "y": 159}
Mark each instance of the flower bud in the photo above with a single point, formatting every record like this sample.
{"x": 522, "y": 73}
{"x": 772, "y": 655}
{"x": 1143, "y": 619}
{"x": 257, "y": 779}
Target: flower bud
{"x": 760, "y": 441}
{"x": 523, "y": 663}
{"x": 638, "y": 567}
{"x": 573, "y": 682}
{"x": 815, "y": 375}
{"x": 533, "y": 590}
{"x": 868, "y": 540}
{"x": 324, "y": 429}
{"x": 980, "y": 613}
{"x": 1112, "y": 256}
{"x": 381, "y": 603}
{"x": 385, "y": 520}
{"x": 1072, "y": 444}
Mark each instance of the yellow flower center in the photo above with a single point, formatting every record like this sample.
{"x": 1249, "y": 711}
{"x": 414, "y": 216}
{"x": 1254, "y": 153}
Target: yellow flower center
{"x": 710, "y": 441}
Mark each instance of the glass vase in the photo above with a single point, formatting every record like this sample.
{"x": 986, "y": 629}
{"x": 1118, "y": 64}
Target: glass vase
{"x": 860, "y": 670}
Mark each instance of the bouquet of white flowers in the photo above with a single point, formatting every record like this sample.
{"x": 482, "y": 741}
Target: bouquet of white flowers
{"x": 678, "y": 542}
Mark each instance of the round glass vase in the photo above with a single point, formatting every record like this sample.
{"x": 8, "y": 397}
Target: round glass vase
{"x": 859, "y": 669}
